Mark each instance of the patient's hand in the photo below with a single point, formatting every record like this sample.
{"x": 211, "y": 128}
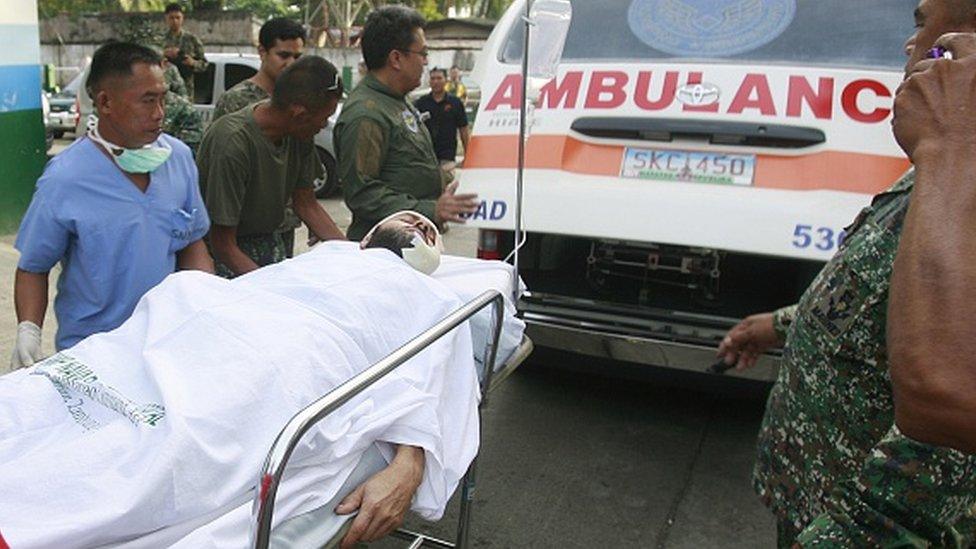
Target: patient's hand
{"x": 383, "y": 500}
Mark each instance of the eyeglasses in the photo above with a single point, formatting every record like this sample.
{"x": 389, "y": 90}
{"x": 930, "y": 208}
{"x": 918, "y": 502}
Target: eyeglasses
{"x": 425, "y": 53}
{"x": 335, "y": 85}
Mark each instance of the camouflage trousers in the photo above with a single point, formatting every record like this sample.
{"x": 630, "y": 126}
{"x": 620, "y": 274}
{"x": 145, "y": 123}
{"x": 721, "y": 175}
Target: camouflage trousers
{"x": 263, "y": 249}
{"x": 786, "y": 533}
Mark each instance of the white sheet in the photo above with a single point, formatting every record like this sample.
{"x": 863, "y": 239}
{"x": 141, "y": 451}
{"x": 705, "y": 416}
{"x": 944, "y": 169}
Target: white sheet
{"x": 190, "y": 392}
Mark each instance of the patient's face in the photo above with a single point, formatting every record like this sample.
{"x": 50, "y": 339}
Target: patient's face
{"x": 414, "y": 224}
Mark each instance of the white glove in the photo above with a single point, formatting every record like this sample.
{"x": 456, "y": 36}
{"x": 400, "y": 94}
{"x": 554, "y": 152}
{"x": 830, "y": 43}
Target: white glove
{"x": 27, "y": 349}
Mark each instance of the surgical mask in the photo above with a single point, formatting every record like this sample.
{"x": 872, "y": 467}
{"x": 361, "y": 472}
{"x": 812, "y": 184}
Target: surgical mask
{"x": 422, "y": 256}
{"x": 145, "y": 159}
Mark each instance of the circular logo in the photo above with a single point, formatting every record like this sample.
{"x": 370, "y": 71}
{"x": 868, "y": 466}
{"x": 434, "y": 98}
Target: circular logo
{"x": 709, "y": 28}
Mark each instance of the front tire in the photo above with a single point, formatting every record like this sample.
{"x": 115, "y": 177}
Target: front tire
{"x": 327, "y": 185}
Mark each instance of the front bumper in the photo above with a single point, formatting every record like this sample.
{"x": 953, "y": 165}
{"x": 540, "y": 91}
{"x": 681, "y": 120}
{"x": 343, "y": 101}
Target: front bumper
{"x": 639, "y": 336}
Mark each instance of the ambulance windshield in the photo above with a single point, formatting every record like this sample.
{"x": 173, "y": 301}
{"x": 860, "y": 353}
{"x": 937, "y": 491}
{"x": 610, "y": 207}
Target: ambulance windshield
{"x": 845, "y": 33}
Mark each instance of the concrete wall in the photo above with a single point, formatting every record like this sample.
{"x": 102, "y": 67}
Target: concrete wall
{"x": 70, "y": 59}
{"x": 22, "y": 143}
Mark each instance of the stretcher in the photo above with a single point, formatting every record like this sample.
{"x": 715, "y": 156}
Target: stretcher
{"x": 139, "y": 350}
{"x": 321, "y": 527}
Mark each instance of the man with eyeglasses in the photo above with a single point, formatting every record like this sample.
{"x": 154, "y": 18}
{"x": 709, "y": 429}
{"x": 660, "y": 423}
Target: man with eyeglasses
{"x": 254, "y": 160}
{"x": 281, "y": 42}
{"x": 385, "y": 154}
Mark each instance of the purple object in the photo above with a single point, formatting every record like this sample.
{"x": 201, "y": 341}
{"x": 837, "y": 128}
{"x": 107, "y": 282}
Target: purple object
{"x": 938, "y": 52}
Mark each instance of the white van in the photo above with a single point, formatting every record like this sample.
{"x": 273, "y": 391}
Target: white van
{"x": 224, "y": 72}
{"x": 693, "y": 162}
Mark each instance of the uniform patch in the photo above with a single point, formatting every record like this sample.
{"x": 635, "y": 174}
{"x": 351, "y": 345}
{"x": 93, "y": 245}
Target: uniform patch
{"x": 716, "y": 28}
{"x": 410, "y": 120}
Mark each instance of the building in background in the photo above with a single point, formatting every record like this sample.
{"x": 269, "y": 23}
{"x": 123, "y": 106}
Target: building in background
{"x": 22, "y": 140}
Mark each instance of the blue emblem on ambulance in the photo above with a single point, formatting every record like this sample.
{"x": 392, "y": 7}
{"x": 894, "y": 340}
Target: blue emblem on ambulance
{"x": 709, "y": 28}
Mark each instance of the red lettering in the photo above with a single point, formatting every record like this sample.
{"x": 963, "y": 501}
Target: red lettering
{"x": 509, "y": 93}
{"x": 642, "y": 99}
{"x": 696, "y": 78}
{"x": 821, "y": 103}
{"x": 754, "y": 93}
{"x": 850, "y": 96}
{"x": 606, "y": 83}
{"x": 563, "y": 95}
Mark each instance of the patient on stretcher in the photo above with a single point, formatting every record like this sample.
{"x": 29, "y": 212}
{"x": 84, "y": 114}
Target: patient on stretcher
{"x": 168, "y": 418}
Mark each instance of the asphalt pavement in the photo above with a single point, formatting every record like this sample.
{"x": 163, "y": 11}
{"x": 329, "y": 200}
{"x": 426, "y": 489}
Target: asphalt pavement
{"x": 586, "y": 459}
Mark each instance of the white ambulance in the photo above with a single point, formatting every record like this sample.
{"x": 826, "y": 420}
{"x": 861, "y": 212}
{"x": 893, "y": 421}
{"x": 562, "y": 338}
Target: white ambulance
{"x": 694, "y": 162}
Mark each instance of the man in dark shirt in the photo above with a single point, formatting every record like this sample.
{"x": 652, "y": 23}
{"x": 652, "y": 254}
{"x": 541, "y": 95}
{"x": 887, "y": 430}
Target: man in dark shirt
{"x": 445, "y": 118}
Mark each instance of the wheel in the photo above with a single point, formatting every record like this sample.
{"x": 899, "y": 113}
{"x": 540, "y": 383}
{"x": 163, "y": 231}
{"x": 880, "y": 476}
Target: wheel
{"x": 58, "y": 134}
{"x": 329, "y": 184}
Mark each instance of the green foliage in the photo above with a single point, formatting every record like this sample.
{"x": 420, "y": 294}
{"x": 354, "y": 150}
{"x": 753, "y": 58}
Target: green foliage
{"x": 50, "y": 8}
{"x": 266, "y": 9}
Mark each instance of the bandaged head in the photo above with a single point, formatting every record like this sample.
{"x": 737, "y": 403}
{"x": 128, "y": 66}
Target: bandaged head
{"x": 411, "y": 236}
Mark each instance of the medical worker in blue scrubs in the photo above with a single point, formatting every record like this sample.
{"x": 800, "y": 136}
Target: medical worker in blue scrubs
{"x": 120, "y": 209}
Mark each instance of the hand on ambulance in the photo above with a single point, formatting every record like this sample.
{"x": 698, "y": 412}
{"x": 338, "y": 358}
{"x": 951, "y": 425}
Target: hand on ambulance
{"x": 748, "y": 340}
{"x": 453, "y": 207}
{"x": 935, "y": 107}
{"x": 27, "y": 347}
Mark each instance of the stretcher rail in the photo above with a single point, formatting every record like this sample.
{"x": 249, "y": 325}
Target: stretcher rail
{"x": 274, "y": 467}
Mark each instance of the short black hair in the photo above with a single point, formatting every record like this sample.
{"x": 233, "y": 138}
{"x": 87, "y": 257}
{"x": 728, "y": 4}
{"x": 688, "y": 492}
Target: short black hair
{"x": 306, "y": 82}
{"x": 388, "y": 28}
{"x": 440, "y": 70}
{"x": 280, "y": 28}
{"x": 391, "y": 239}
{"x": 173, "y": 6}
{"x": 116, "y": 59}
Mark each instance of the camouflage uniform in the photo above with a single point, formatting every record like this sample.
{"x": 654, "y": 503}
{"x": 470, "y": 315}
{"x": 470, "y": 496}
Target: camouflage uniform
{"x": 241, "y": 95}
{"x": 831, "y": 464}
{"x": 246, "y": 93}
{"x": 264, "y": 249}
{"x": 174, "y": 81}
{"x": 182, "y": 121}
{"x": 188, "y": 45}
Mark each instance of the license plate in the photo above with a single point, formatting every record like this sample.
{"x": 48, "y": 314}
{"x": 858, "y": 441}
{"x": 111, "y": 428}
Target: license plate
{"x": 689, "y": 167}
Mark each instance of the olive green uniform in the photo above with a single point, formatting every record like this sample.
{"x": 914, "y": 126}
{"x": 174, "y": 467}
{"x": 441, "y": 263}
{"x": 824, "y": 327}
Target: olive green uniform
{"x": 246, "y": 93}
{"x": 246, "y": 180}
{"x": 182, "y": 121}
{"x": 385, "y": 156}
{"x": 831, "y": 463}
{"x": 189, "y": 45}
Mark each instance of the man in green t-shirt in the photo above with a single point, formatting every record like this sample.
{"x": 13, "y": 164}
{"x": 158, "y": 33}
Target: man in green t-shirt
{"x": 282, "y": 42}
{"x": 385, "y": 155}
{"x": 253, "y": 160}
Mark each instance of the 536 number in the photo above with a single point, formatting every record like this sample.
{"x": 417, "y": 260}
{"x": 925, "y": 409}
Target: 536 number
{"x": 821, "y": 238}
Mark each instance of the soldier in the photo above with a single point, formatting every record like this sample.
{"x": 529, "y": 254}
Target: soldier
{"x": 385, "y": 154}
{"x": 832, "y": 464}
{"x": 174, "y": 82}
{"x": 254, "y": 160}
{"x": 182, "y": 121}
{"x": 932, "y": 287}
{"x": 183, "y": 49}
{"x": 281, "y": 42}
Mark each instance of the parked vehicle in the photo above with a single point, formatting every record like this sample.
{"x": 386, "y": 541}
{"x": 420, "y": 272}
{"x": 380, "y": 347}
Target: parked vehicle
{"x": 225, "y": 71}
{"x": 686, "y": 167}
{"x": 64, "y": 108}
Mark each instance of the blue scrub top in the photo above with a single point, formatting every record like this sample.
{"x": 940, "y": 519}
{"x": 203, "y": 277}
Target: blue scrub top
{"x": 114, "y": 242}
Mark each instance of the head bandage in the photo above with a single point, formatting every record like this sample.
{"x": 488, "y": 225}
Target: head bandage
{"x": 423, "y": 256}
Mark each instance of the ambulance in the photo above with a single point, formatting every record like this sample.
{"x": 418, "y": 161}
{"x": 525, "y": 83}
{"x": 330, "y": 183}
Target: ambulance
{"x": 692, "y": 162}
